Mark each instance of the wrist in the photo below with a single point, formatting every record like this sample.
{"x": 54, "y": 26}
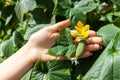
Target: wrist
{"x": 34, "y": 52}
{"x": 30, "y": 51}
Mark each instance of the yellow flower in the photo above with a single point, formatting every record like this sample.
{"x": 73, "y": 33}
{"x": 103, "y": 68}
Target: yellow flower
{"x": 81, "y": 30}
{"x": 6, "y": 4}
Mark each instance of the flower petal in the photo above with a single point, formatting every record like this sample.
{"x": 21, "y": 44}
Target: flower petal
{"x": 86, "y": 27}
{"x": 85, "y": 34}
{"x": 82, "y": 30}
{"x": 78, "y": 29}
{"x": 79, "y": 24}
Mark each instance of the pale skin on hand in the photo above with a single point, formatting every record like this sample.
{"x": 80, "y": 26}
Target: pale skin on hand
{"x": 17, "y": 65}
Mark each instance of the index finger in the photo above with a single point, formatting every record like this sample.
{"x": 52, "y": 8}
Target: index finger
{"x": 92, "y": 33}
{"x": 60, "y": 25}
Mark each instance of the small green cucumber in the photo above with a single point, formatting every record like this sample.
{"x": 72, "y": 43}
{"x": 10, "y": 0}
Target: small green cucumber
{"x": 80, "y": 48}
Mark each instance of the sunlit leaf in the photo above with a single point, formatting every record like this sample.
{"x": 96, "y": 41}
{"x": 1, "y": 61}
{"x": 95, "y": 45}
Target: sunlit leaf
{"x": 54, "y": 70}
{"x": 108, "y": 64}
{"x": 107, "y": 32}
{"x": 7, "y": 48}
{"x": 8, "y": 19}
{"x": 24, "y": 6}
{"x": 74, "y": 10}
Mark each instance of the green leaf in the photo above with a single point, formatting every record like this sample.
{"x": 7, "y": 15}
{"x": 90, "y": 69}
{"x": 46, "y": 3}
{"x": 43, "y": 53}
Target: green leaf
{"x": 107, "y": 65}
{"x": 18, "y": 40}
{"x": 62, "y": 50}
{"x": 86, "y": 5}
{"x": 23, "y": 6}
{"x": 117, "y": 22}
{"x": 8, "y": 20}
{"x": 55, "y": 70}
{"x": 7, "y": 48}
{"x": 107, "y": 32}
{"x": 116, "y": 2}
{"x": 65, "y": 38}
{"x": 74, "y": 10}
{"x": 110, "y": 16}
{"x": 58, "y": 50}
{"x": 62, "y": 6}
{"x": 71, "y": 50}
{"x": 76, "y": 15}
{"x": 64, "y": 45}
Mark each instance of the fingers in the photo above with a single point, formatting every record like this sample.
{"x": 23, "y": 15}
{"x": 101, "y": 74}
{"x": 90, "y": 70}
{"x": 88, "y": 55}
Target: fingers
{"x": 92, "y": 33}
{"x": 93, "y": 44}
{"x": 94, "y": 40}
{"x": 93, "y": 47}
{"x": 89, "y": 49}
{"x": 86, "y": 54}
{"x": 59, "y": 25}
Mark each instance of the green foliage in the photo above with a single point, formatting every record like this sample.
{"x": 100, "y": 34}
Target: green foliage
{"x": 21, "y": 18}
{"x": 74, "y": 10}
{"x": 57, "y": 70}
{"x": 107, "y": 32}
{"x": 23, "y": 6}
{"x": 108, "y": 62}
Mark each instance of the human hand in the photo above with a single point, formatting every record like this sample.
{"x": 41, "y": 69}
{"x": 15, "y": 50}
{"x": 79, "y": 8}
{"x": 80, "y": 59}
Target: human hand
{"x": 92, "y": 44}
{"x": 42, "y": 40}
{"x": 45, "y": 38}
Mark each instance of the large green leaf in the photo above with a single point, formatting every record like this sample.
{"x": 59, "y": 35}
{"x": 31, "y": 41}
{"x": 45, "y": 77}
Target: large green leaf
{"x": 107, "y": 65}
{"x": 76, "y": 15}
{"x": 107, "y": 32}
{"x": 85, "y": 5}
{"x": 75, "y": 10}
{"x": 54, "y": 70}
{"x": 23, "y": 6}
